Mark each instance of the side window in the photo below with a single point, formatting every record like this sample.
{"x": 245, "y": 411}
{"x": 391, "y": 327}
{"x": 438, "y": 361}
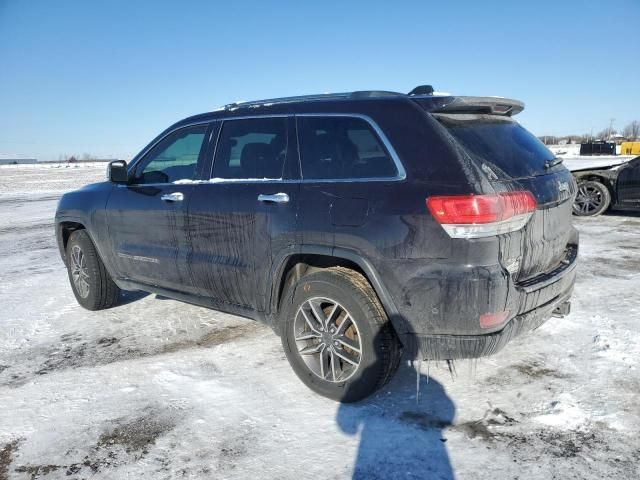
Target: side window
{"x": 342, "y": 147}
{"x": 174, "y": 158}
{"x": 254, "y": 148}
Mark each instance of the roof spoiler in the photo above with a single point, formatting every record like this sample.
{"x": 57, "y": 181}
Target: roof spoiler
{"x": 471, "y": 105}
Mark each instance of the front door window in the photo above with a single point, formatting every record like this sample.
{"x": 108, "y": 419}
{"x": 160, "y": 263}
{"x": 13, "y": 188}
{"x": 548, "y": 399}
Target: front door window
{"x": 174, "y": 158}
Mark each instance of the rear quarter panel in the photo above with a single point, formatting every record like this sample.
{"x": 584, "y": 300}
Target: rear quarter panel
{"x": 387, "y": 223}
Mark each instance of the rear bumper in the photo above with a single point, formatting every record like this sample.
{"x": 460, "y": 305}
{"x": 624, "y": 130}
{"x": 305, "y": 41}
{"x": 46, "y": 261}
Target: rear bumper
{"x": 450, "y": 347}
{"x": 534, "y": 302}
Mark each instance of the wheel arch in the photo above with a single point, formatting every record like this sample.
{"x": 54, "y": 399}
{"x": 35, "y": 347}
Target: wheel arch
{"x": 594, "y": 176}
{"x": 65, "y": 227}
{"x": 63, "y": 231}
{"x": 603, "y": 177}
{"x": 293, "y": 264}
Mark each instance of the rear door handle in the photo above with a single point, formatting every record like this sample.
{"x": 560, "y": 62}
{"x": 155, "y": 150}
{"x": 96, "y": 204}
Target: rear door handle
{"x": 274, "y": 198}
{"x": 172, "y": 197}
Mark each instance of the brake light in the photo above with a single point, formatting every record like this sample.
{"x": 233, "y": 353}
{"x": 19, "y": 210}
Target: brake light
{"x": 474, "y": 216}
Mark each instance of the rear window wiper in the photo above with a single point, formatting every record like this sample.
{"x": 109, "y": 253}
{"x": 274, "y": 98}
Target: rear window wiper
{"x": 552, "y": 163}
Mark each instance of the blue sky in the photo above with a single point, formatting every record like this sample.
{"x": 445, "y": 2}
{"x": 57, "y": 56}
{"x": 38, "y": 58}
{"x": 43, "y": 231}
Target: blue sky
{"x": 106, "y": 77}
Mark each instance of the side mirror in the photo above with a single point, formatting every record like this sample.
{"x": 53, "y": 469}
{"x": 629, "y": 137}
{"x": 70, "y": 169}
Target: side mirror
{"x": 117, "y": 172}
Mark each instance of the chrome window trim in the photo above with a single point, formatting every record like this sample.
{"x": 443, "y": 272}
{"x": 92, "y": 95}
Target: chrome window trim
{"x": 392, "y": 152}
{"x": 402, "y": 174}
{"x": 235, "y": 181}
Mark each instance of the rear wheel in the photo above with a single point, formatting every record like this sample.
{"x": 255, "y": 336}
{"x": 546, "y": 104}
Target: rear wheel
{"x": 337, "y": 336}
{"x": 91, "y": 284}
{"x": 593, "y": 198}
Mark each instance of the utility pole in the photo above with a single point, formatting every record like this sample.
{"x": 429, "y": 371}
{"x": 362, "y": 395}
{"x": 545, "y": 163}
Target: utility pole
{"x": 611, "y": 126}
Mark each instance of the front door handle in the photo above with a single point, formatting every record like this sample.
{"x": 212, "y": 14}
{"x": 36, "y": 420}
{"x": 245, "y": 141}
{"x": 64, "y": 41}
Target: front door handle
{"x": 172, "y": 197}
{"x": 274, "y": 198}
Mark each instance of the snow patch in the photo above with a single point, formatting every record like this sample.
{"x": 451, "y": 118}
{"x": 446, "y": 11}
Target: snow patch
{"x": 585, "y": 163}
{"x": 563, "y": 413}
{"x": 225, "y": 180}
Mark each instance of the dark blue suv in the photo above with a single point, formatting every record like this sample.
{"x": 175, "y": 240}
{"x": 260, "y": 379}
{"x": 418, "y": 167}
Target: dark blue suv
{"x": 356, "y": 225}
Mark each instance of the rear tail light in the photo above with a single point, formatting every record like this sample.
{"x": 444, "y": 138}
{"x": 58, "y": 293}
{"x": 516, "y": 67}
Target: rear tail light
{"x": 474, "y": 216}
{"x": 489, "y": 320}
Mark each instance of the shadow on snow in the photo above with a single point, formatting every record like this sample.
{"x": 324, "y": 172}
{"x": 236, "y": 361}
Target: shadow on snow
{"x": 399, "y": 437}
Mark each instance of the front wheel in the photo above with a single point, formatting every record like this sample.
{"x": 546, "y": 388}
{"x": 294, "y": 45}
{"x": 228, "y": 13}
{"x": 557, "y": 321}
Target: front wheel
{"x": 91, "y": 284}
{"x": 593, "y": 198}
{"x": 337, "y": 336}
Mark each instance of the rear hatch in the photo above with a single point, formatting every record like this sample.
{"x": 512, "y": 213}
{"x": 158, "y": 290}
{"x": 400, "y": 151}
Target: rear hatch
{"x": 512, "y": 159}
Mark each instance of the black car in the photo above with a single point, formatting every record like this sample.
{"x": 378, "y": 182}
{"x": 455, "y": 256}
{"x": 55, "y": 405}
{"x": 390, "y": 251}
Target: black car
{"x": 616, "y": 187}
{"x": 356, "y": 225}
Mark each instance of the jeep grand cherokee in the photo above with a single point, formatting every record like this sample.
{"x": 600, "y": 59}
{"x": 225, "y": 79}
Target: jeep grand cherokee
{"x": 356, "y": 225}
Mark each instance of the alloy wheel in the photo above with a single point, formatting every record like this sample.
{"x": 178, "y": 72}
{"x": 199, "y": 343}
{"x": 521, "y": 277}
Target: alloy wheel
{"x": 79, "y": 271}
{"x": 588, "y": 200}
{"x": 327, "y": 339}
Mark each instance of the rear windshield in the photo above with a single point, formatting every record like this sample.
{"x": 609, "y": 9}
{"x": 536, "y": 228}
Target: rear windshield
{"x": 499, "y": 141}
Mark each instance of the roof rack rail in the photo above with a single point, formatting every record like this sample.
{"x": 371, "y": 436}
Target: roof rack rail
{"x": 375, "y": 94}
{"x": 422, "y": 94}
{"x": 310, "y": 98}
{"x": 299, "y": 98}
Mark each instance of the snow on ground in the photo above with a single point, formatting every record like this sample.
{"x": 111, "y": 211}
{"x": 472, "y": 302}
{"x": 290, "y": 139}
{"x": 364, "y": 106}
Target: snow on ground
{"x": 574, "y": 161}
{"x": 583, "y": 163}
{"x": 17, "y": 181}
{"x": 562, "y": 150}
{"x": 158, "y": 389}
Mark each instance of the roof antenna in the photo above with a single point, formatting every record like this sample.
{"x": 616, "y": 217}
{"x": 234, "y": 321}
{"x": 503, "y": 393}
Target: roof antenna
{"x": 422, "y": 90}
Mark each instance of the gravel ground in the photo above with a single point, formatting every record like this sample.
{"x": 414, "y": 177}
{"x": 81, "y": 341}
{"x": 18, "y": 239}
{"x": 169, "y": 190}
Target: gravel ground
{"x": 158, "y": 389}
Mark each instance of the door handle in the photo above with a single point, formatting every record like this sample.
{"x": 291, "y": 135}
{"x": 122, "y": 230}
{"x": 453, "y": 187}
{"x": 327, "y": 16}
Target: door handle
{"x": 274, "y": 198}
{"x": 172, "y": 197}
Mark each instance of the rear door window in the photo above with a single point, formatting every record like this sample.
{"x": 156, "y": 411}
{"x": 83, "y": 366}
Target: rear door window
{"x": 342, "y": 148}
{"x": 251, "y": 149}
{"x": 499, "y": 141}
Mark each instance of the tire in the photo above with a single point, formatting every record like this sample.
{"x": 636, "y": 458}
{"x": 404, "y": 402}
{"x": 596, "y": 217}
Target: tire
{"x": 91, "y": 284}
{"x": 593, "y": 198}
{"x": 349, "y": 306}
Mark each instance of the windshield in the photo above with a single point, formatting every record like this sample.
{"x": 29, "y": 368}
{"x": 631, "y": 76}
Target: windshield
{"x": 499, "y": 141}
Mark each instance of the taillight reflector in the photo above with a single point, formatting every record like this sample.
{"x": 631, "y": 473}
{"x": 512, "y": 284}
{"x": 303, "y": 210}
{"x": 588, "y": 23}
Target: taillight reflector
{"x": 489, "y": 320}
{"x": 472, "y": 216}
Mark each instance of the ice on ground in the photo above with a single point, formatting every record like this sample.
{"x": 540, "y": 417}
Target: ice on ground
{"x": 158, "y": 389}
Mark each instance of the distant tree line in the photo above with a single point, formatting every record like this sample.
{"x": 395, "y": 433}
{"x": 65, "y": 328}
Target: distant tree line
{"x": 631, "y": 133}
{"x": 85, "y": 157}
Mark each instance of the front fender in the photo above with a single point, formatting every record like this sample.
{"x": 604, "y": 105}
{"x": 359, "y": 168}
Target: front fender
{"x": 84, "y": 208}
